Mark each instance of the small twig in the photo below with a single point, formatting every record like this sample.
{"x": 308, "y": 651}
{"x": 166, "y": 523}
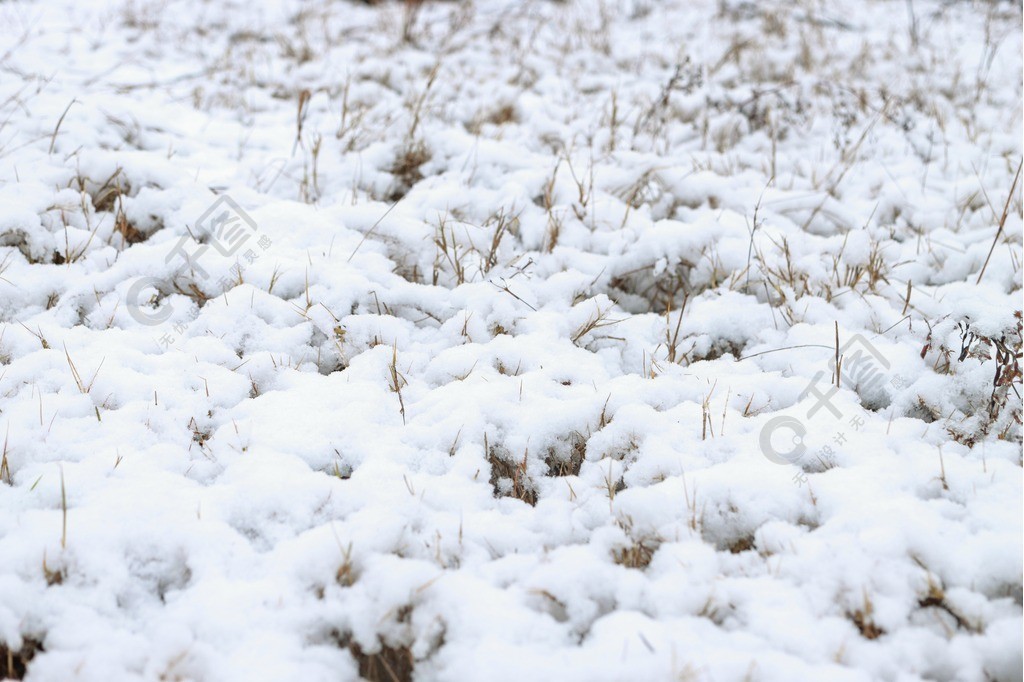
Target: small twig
{"x": 1002, "y": 221}
{"x": 776, "y": 350}
{"x": 370, "y": 231}
{"x": 64, "y": 510}
{"x": 504, "y": 287}
{"x": 397, "y": 380}
{"x": 53, "y": 138}
{"x": 906, "y": 304}
{"x": 839, "y": 360}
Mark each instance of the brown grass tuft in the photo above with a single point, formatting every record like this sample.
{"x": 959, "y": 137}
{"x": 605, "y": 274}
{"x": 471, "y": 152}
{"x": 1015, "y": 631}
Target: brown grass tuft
{"x": 636, "y": 555}
{"x": 568, "y": 463}
{"x": 14, "y": 664}
{"x": 390, "y": 664}
{"x": 640, "y": 549}
{"x": 508, "y": 475}
{"x": 406, "y": 169}
{"x": 863, "y": 619}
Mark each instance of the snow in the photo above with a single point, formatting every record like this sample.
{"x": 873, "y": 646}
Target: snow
{"x": 526, "y": 367}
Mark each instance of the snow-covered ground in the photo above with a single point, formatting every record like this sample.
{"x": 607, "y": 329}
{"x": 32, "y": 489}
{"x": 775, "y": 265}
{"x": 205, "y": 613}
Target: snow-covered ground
{"x": 498, "y": 340}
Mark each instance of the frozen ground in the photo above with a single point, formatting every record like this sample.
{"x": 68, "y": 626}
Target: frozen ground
{"x": 523, "y": 368}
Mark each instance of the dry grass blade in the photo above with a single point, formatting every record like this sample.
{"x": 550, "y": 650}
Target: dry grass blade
{"x": 672, "y": 336}
{"x": 83, "y": 388}
{"x": 598, "y": 321}
{"x": 1002, "y": 221}
{"x": 56, "y": 129}
{"x": 370, "y": 231}
{"x": 63, "y": 510}
{"x": 396, "y": 380}
{"x": 5, "y": 467}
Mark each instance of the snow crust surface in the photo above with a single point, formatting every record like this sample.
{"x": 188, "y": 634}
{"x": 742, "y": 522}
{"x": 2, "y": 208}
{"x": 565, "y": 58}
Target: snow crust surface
{"x": 505, "y": 379}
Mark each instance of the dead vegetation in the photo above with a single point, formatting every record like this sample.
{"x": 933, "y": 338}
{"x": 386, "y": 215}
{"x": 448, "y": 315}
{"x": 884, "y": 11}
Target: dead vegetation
{"x": 470, "y": 250}
{"x": 465, "y": 252}
{"x": 509, "y": 476}
{"x": 639, "y": 548}
{"x": 864, "y": 623}
{"x": 14, "y": 663}
{"x": 1002, "y": 412}
{"x": 5, "y": 466}
{"x": 863, "y": 618}
{"x": 108, "y": 196}
{"x": 935, "y": 598}
{"x": 656, "y": 292}
{"x": 406, "y": 169}
{"x": 388, "y": 664}
{"x": 567, "y": 461}
{"x": 501, "y": 116}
